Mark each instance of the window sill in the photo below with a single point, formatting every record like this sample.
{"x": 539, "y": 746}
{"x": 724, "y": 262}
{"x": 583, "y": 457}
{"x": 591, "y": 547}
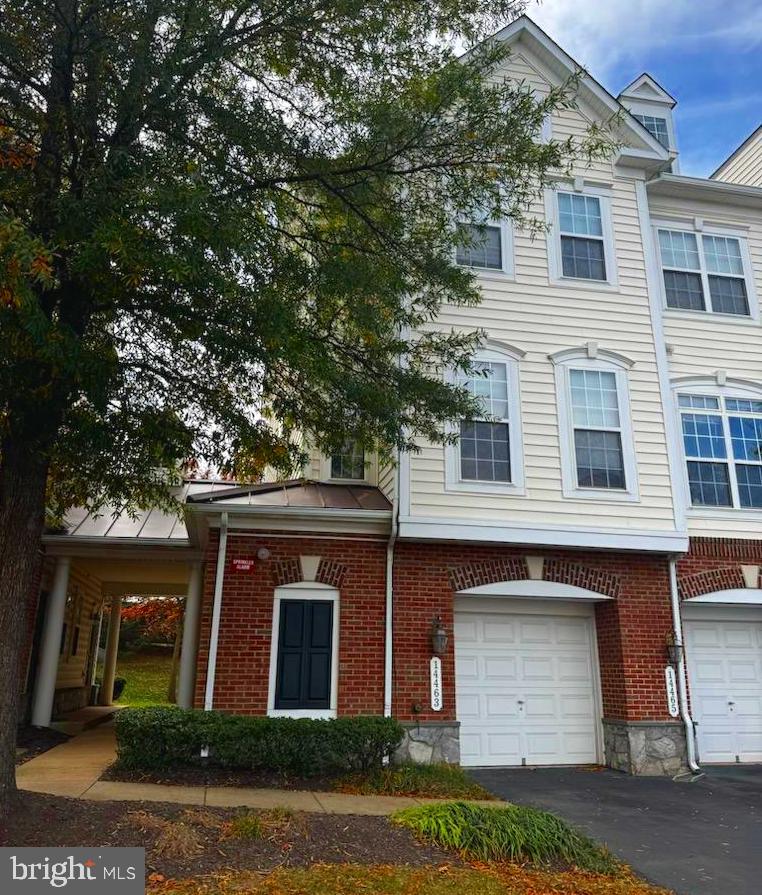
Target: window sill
{"x": 316, "y": 714}
{"x": 725, "y": 514}
{"x": 507, "y": 489}
{"x": 710, "y": 316}
{"x": 601, "y": 495}
{"x": 498, "y": 276}
{"x": 595, "y": 285}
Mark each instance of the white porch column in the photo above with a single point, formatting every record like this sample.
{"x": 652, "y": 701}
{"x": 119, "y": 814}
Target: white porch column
{"x": 112, "y": 650}
{"x": 187, "y": 680}
{"x": 50, "y": 648}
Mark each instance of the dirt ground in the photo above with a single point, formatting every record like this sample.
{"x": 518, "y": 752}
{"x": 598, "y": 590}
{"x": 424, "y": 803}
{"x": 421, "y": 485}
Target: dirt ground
{"x": 187, "y": 841}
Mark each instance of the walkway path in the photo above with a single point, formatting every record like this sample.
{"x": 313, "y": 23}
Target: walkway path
{"x": 73, "y": 769}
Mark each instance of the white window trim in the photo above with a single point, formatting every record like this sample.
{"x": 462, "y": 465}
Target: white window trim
{"x": 510, "y": 356}
{"x": 731, "y": 388}
{"x": 507, "y": 271}
{"x": 304, "y": 590}
{"x": 699, "y": 228}
{"x": 370, "y": 477}
{"x": 555, "y": 263}
{"x": 594, "y": 358}
{"x": 656, "y": 111}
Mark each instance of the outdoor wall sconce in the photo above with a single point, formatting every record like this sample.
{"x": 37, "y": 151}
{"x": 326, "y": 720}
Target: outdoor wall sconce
{"x": 438, "y": 637}
{"x": 674, "y": 650}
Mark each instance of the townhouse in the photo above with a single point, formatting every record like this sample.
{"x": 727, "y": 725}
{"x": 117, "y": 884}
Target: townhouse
{"x": 576, "y": 581}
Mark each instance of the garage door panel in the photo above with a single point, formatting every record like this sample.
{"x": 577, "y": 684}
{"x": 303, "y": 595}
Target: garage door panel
{"x": 725, "y": 676}
{"x": 537, "y": 668}
{"x": 525, "y": 689}
{"x": 536, "y": 631}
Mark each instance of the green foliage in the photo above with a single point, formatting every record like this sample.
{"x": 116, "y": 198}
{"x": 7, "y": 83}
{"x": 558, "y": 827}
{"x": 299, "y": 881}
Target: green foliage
{"x": 510, "y": 833}
{"x": 167, "y": 737}
{"x": 224, "y": 222}
{"x": 246, "y": 826}
{"x": 436, "y": 781}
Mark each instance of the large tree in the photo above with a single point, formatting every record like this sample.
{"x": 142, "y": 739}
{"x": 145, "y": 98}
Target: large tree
{"x": 222, "y": 222}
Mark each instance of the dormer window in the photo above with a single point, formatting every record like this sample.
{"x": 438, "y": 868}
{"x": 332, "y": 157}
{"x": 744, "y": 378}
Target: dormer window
{"x": 349, "y": 463}
{"x": 655, "y": 126}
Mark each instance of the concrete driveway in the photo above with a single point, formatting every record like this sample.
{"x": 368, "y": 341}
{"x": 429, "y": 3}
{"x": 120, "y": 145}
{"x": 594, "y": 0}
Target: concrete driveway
{"x": 700, "y": 838}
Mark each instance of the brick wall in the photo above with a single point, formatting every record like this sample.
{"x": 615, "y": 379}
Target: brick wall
{"x": 243, "y": 657}
{"x": 631, "y": 628}
{"x": 715, "y": 564}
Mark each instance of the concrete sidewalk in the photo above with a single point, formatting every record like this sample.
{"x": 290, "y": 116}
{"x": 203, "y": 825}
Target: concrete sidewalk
{"x": 74, "y": 769}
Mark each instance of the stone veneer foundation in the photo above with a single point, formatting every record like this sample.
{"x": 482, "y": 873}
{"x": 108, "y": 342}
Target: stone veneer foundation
{"x": 648, "y": 748}
{"x": 430, "y": 742}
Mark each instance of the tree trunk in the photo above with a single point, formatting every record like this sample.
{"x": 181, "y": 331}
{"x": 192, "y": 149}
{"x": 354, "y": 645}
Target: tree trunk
{"x": 172, "y": 689}
{"x": 23, "y": 478}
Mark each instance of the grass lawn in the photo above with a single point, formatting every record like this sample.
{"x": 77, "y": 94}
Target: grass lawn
{"x": 147, "y": 676}
{"x": 351, "y": 879}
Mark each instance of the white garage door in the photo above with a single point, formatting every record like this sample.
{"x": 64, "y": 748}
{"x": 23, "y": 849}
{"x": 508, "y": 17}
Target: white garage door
{"x": 724, "y": 654}
{"x": 525, "y": 684}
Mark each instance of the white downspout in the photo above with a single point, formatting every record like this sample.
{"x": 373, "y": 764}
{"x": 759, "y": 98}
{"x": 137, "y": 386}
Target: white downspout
{"x": 211, "y": 665}
{"x": 389, "y": 635}
{"x": 682, "y": 686}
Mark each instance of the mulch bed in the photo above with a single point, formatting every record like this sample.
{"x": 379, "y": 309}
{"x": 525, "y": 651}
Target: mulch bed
{"x": 32, "y": 741}
{"x": 305, "y": 839}
{"x": 223, "y": 777}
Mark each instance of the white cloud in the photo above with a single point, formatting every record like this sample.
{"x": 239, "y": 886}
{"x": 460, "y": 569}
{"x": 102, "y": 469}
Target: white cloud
{"x": 604, "y": 34}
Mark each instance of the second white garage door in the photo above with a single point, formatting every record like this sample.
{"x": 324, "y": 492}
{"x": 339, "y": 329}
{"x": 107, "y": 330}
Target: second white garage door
{"x": 724, "y": 651}
{"x": 526, "y": 683}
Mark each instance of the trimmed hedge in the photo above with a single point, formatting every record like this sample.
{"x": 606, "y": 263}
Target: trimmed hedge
{"x": 168, "y": 737}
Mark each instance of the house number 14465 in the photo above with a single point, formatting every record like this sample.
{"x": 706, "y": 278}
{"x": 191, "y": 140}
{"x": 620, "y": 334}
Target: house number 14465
{"x": 436, "y": 683}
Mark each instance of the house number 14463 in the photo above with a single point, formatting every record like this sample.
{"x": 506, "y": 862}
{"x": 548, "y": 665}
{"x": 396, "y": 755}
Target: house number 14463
{"x": 436, "y": 683}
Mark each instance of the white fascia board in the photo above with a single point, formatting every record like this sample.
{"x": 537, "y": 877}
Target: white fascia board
{"x": 546, "y": 590}
{"x": 594, "y": 92}
{"x": 420, "y": 528}
{"x": 682, "y": 187}
{"x": 133, "y": 548}
{"x": 751, "y": 596}
{"x": 318, "y": 519}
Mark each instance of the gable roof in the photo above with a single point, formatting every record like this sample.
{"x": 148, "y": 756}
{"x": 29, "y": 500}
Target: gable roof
{"x": 594, "y": 93}
{"x": 646, "y": 87}
{"x": 737, "y": 151}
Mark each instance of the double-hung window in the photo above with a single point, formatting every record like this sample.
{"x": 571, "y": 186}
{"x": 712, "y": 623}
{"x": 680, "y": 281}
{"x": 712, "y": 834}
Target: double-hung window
{"x": 484, "y": 244}
{"x": 597, "y": 451}
{"x": 722, "y": 441}
{"x": 704, "y": 272}
{"x": 487, "y": 455}
{"x": 581, "y": 245}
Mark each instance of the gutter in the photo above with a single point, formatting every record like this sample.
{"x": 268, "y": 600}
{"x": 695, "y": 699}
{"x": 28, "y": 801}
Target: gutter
{"x": 682, "y": 686}
{"x": 389, "y": 620}
{"x": 214, "y": 636}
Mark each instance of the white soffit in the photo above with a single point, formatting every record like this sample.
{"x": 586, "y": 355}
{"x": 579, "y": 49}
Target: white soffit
{"x": 547, "y": 590}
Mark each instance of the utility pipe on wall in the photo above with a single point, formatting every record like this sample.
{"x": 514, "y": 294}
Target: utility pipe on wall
{"x": 389, "y": 620}
{"x": 682, "y": 685}
{"x": 211, "y": 666}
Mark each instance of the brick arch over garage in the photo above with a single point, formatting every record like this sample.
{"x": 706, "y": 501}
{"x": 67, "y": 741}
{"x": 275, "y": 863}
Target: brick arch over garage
{"x": 559, "y": 571}
{"x": 709, "y": 581}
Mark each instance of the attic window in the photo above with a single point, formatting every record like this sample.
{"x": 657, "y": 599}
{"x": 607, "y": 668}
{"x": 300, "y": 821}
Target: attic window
{"x": 657, "y": 127}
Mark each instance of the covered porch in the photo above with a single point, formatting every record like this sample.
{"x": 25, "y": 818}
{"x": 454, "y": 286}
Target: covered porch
{"x": 89, "y": 568}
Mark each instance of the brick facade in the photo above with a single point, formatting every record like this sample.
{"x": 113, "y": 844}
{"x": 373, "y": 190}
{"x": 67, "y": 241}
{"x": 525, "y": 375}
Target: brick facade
{"x": 358, "y": 566}
{"x": 631, "y": 628}
{"x": 715, "y": 564}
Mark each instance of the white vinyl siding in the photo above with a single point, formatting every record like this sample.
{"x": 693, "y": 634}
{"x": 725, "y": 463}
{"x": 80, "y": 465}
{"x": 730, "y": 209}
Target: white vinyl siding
{"x": 712, "y": 345}
{"x": 542, "y": 316}
{"x": 746, "y": 167}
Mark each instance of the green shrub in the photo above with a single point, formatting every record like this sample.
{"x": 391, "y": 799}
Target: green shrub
{"x": 506, "y": 833}
{"x": 165, "y": 737}
{"x": 435, "y": 781}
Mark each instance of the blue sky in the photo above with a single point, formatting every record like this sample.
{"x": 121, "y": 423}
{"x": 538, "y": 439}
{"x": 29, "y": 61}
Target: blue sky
{"x": 708, "y": 55}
